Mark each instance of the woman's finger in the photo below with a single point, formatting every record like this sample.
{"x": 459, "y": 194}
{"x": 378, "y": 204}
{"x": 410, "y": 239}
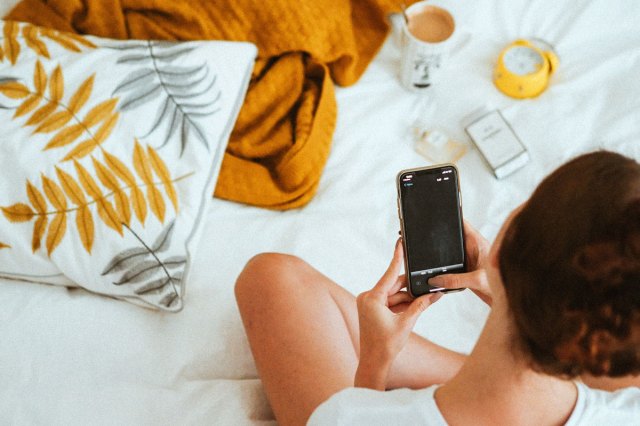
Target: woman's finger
{"x": 418, "y": 306}
{"x": 390, "y": 276}
{"x": 399, "y": 308}
{"x": 401, "y": 282}
{"x": 476, "y": 280}
{"x": 399, "y": 297}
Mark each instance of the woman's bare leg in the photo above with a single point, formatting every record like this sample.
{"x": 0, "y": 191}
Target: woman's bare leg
{"x": 303, "y": 332}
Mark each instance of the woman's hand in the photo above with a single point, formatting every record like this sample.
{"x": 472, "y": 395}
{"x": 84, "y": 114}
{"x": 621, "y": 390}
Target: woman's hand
{"x": 386, "y": 316}
{"x": 477, "y": 250}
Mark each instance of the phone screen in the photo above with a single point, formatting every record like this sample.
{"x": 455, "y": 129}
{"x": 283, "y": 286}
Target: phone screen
{"x": 432, "y": 225}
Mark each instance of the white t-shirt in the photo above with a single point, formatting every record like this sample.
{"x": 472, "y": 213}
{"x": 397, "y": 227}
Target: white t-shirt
{"x": 359, "y": 406}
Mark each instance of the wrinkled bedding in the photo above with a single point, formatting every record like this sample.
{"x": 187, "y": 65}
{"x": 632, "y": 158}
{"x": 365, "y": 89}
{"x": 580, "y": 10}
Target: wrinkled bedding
{"x": 70, "y": 357}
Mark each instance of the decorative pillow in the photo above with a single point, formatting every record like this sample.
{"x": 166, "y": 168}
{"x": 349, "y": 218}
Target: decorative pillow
{"x": 108, "y": 152}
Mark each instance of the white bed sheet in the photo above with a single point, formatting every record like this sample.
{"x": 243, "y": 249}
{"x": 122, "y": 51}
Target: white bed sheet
{"x": 69, "y": 357}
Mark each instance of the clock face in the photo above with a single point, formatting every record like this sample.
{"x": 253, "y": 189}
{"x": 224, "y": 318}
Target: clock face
{"x": 522, "y": 60}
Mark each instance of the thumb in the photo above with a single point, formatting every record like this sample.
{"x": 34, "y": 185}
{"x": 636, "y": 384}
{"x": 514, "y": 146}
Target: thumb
{"x": 418, "y": 306}
{"x": 391, "y": 274}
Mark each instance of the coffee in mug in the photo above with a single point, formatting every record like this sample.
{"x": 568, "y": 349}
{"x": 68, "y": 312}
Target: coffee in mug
{"x": 427, "y": 39}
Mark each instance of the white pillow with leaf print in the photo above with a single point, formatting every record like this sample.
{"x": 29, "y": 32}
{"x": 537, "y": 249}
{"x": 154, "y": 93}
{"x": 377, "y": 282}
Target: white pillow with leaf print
{"x": 108, "y": 151}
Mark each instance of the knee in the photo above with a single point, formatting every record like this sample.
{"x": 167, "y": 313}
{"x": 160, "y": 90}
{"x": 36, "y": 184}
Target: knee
{"x": 266, "y": 274}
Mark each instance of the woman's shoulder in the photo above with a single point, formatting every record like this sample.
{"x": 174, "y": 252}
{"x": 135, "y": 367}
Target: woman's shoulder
{"x": 355, "y": 406}
{"x": 359, "y": 406}
{"x": 601, "y": 407}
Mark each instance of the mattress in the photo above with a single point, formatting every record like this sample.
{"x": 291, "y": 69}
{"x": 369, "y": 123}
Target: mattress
{"x": 71, "y": 357}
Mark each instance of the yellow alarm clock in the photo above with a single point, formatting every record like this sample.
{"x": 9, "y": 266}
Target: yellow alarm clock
{"x": 524, "y": 68}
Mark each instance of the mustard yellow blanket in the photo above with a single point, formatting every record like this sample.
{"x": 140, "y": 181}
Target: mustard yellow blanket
{"x": 282, "y": 138}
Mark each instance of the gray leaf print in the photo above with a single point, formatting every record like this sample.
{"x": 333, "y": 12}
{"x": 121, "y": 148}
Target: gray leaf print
{"x": 146, "y": 269}
{"x": 174, "y": 262}
{"x": 140, "y": 272}
{"x": 158, "y": 284}
{"x": 164, "y": 239}
{"x": 126, "y": 259}
{"x": 138, "y": 77}
{"x": 168, "y": 299}
{"x": 180, "y": 89}
{"x": 140, "y": 96}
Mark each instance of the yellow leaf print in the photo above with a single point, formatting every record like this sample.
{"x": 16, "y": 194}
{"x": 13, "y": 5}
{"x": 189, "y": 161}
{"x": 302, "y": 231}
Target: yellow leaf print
{"x": 36, "y": 198}
{"x": 41, "y": 114}
{"x": 156, "y": 202}
{"x": 106, "y": 177}
{"x": 87, "y": 181}
{"x": 109, "y": 180}
{"x": 59, "y": 38}
{"x": 80, "y": 39}
{"x": 61, "y": 118}
{"x": 100, "y": 112}
{"x": 65, "y": 136}
{"x": 14, "y": 90}
{"x": 38, "y": 232}
{"x": 81, "y": 150}
{"x": 30, "y": 34}
{"x": 122, "y": 206}
{"x": 40, "y": 84}
{"x": 81, "y": 96}
{"x": 70, "y": 186}
{"x": 84, "y": 222}
{"x": 119, "y": 169}
{"x": 105, "y": 209}
{"x": 56, "y": 232}
{"x": 56, "y": 85}
{"x": 56, "y": 115}
{"x": 66, "y": 40}
{"x": 163, "y": 173}
{"x": 54, "y": 194}
{"x": 54, "y": 122}
{"x": 139, "y": 204}
{"x": 107, "y": 127}
{"x": 3, "y": 246}
{"x": 18, "y": 212}
{"x": 137, "y": 197}
{"x": 27, "y": 106}
{"x": 140, "y": 164}
{"x": 39, "y": 78}
{"x": 109, "y": 216}
{"x": 11, "y": 45}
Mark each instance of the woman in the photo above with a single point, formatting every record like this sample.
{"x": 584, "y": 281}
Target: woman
{"x": 563, "y": 281}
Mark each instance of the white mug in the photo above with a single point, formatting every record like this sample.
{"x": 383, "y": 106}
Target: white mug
{"x": 428, "y": 36}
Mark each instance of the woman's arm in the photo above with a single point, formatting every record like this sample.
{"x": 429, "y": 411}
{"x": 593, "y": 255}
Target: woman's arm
{"x": 386, "y": 315}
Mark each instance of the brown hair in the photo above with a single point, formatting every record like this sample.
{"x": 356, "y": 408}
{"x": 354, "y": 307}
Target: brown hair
{"x": 570, "y": 263}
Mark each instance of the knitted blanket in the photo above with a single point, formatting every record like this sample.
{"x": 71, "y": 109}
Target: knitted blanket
{"x": 282, "y": 137}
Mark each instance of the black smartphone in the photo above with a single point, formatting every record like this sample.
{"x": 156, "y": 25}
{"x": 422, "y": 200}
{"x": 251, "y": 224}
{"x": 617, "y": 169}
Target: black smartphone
{"x": 431, "y": 225}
